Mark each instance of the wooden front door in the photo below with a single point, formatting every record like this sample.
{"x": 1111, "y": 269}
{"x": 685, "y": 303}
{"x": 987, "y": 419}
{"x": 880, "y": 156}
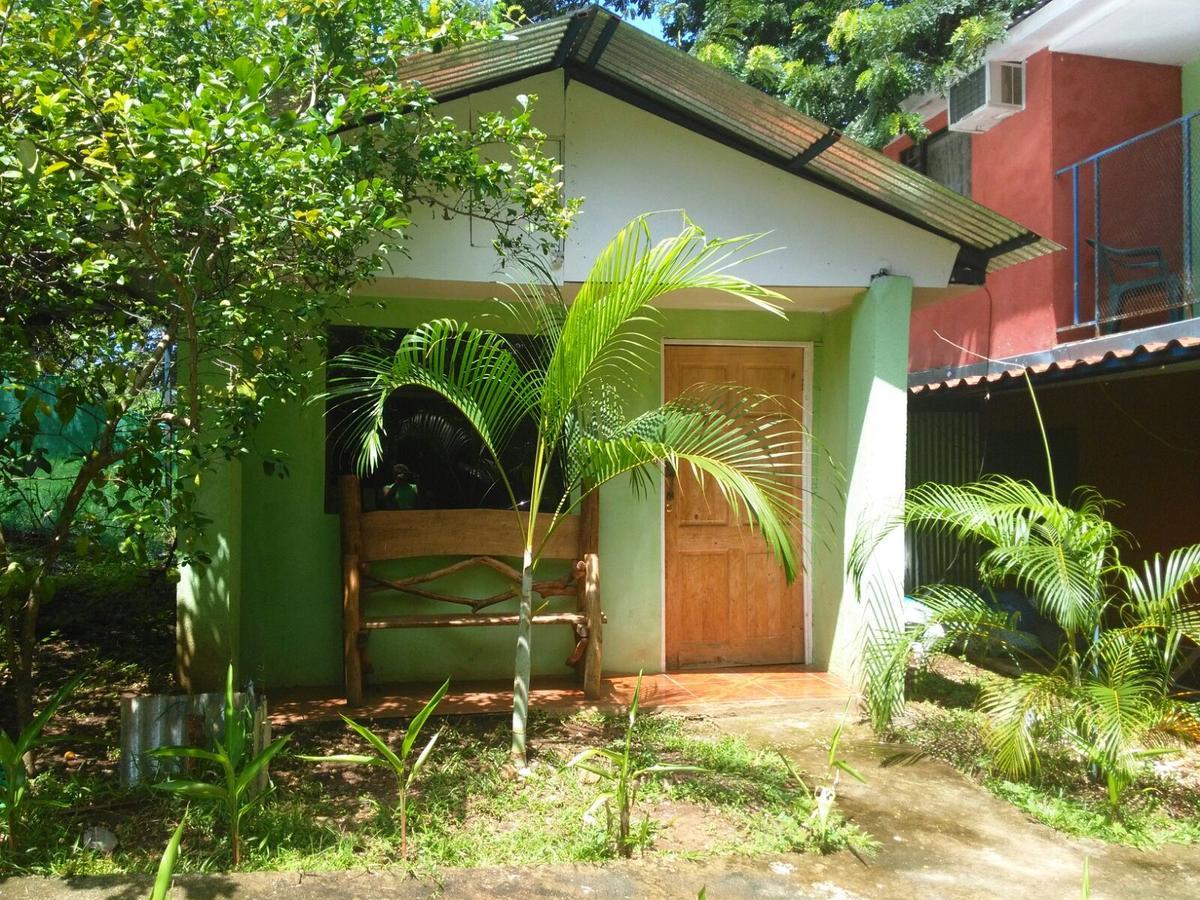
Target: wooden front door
{"x": 727, "y": 601}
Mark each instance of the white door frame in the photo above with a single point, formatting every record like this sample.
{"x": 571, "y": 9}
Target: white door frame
{"x": 805, "y": 482}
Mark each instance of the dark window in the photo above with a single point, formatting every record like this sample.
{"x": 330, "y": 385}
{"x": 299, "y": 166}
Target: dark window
{"x": 432, "y": 457}
{"x": 945, "y": 157}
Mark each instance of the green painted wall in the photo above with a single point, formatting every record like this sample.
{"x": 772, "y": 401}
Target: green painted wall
{"x": 288, "y": 630}
{"x": 1191, "y": 86}
{"x": 869, "y": 372}
{"x": 208, "y": 597}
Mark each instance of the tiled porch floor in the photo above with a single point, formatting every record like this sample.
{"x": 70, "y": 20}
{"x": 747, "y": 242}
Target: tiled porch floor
{"x": 675, "y": 689}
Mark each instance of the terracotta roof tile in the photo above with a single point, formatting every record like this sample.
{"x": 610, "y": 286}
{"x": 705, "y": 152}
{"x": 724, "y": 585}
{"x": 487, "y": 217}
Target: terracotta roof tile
{"x": 1150, "y": 348}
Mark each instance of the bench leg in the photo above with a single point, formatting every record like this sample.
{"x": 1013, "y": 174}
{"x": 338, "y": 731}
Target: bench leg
{"x": 593, "y": 652}
{"x": 351, "y": 625}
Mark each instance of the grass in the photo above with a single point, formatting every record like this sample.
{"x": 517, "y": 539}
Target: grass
{"x": 469, "y": 808}
{"x": 940, "y": 721}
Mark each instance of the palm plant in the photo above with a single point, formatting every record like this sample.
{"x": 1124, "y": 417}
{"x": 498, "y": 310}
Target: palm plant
{"x": 1105, "y": 682}
{"x": 622, "y": 774}
{"x": 570, "y": 382}
{"x": 14, "y": 774}
{"x": 235, "y": 790}
{"x": 405, "y": 770}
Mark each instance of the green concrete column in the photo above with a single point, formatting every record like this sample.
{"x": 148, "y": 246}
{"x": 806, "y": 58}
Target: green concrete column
{"x": 866, "y": 375}
{"x": 208, "y": 597}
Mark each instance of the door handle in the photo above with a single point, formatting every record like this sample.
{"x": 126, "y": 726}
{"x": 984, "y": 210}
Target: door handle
{"x": 669, "y": 492}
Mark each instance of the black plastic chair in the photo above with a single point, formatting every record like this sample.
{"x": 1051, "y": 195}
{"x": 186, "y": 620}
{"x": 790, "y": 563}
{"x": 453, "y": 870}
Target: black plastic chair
{"x": 1132, "y": 272}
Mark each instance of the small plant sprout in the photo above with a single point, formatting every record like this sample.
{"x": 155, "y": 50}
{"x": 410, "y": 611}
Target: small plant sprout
{"x": 237, "y": 764}
{"x": 14, "y": 792}
{"x": 166, "y": 865}
{"x": 617, "y": 768}
{"x": 406, "y": 772}
{"x": 824, "y": 797}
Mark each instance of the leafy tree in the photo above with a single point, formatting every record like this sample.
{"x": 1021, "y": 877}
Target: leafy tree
{"x": 848, "y": 64}
{"x": 570, "y": 384}
{"x": 193, "y": 186}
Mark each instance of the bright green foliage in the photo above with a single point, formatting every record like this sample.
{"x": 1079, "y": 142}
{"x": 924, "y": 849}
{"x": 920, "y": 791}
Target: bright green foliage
{"x": 846, "y": 63}
{"x": 233, "y": 761}
{"x": 1105, "y": 683}
{"x": 406, "y": 772}
{"x": 570, "y": 383}
{"x": 166, "y": 865}
{"x": 188, "y": 190}
{"x": 16, "y": 797}
{"x": 620, "y": 771}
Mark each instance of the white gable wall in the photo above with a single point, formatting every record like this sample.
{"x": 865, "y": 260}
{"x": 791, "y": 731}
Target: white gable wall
{"x": 624, "y": 161}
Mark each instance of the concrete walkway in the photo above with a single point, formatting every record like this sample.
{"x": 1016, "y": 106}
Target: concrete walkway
{"x": 941, "y": 836}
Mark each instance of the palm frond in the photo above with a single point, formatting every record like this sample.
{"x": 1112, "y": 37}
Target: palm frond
{"x": 1178, "y": 723}
{"x": 966, "y": 618}
{"x": 1064, "y": 587}
{"x": 607, "y": 331}
{"x": 473, "y": 368}
{"x": 886, "y": 654}
{"x": 737, "y": 437}
{"x": 1015, "y": 709}
{"x": 1161, "y": 596}
{"x": 1122, "y": 707}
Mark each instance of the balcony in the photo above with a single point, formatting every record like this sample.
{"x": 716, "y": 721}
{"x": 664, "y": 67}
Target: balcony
{"x": 1134, "y": 247}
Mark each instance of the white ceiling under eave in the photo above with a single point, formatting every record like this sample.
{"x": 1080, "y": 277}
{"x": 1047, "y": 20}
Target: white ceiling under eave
{"x": 1166, "y": 32}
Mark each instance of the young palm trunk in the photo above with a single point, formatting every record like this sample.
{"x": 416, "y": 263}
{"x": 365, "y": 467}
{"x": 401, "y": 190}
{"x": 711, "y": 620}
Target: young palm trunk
{"x": 404, "y": 823}
{"x": 623, "y": 845}
{"x": 524, "y": 662}
{"x": 235, "y": 838}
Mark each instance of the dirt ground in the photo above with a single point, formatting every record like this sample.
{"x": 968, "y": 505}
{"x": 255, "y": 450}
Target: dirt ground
{"x": 942, "y": 837}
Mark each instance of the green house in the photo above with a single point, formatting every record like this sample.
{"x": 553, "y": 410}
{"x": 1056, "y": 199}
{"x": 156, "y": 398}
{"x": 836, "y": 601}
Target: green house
{"x": 637, "y": 126}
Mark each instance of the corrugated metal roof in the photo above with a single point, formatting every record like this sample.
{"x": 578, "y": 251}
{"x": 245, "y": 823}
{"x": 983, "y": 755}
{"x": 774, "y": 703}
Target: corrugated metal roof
{"x": 1149, "y": 351}
{"x": 598, "y": 49}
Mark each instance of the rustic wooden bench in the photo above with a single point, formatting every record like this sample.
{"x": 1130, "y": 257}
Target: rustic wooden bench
{"x": 485, "y": 537}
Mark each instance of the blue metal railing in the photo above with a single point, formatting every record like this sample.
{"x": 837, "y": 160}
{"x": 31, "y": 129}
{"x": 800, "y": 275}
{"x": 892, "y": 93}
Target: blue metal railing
{"x": 1138, "y": 227}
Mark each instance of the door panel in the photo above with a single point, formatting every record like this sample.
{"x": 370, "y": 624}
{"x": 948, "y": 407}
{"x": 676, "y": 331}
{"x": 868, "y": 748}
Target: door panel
{"x": 727, "y": 601}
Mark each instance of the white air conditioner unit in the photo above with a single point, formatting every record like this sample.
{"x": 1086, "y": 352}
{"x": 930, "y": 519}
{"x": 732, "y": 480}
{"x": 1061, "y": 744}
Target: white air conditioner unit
{"x": 989, "y": 95}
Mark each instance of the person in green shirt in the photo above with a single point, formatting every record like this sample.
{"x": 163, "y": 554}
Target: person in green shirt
{"x": 402, "y": 492}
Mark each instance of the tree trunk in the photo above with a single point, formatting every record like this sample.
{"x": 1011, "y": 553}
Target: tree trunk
{"x": 26, "y": 642}
{"x": 23, "y": 647}
{"x": 524, "y": 662}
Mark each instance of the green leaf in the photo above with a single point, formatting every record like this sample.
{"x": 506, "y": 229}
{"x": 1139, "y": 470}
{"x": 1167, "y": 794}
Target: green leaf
{"x": 198, "y": 790}
{"x": 849, "y": 770}
{"x": 257, "y": 764}
{"x": 33, "y": 730}
{"x": 424, "y": 755}
{"x": 166, "y": 865}
{"x": 186, "y": 753}
{"x": 235, "y": 725}
{"x": 418, "y": 722}
{"x": 584, "y": 755}
{"x": 379, "y": 744}
{"x": 348, "y": 759}
{"x": 9, "y": 755}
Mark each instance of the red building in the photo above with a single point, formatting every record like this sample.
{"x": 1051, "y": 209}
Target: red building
{"x": 1084, "y": 125}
